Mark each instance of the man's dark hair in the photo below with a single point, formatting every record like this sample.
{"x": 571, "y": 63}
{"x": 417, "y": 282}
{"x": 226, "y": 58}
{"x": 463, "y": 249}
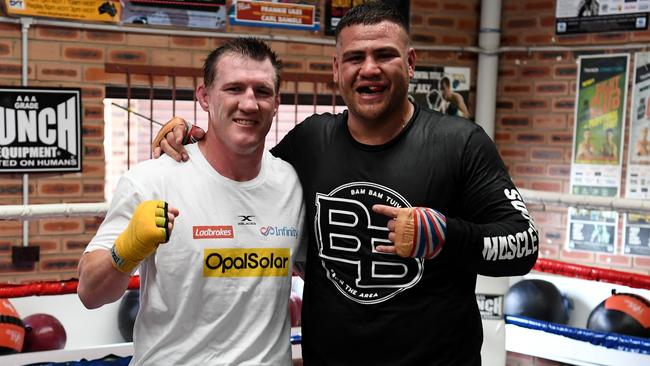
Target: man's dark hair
{"x": 249, "y": 47}
{"x": 370, "y": 13}
{"x": 446, "y": 82}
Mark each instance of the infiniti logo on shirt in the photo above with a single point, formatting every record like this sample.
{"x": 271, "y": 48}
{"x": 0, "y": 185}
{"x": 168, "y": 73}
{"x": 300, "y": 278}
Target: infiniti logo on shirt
{"x": 279, "y": 231}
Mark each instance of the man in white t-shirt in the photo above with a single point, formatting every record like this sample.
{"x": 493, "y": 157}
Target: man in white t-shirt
{"x": 215, "y": 290}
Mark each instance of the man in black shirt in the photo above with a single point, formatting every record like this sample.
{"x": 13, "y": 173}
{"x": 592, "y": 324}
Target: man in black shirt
{"x": 383, "y": 158}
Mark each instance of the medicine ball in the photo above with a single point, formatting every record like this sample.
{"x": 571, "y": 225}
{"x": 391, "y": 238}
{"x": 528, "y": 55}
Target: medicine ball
{"x": 127, "y": 312}
{"x": 622, "y": 313}
{"x": 537, "y": 299}
{"x": 11, "y": 329}
{"x": 43, "y": 332}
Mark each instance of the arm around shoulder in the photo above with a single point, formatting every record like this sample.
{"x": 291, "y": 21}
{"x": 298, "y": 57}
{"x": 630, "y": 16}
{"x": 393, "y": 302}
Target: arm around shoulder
{"x": 99, "y": 282}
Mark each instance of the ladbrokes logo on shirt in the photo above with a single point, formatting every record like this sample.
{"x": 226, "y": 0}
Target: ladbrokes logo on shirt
{"x": 212, "y": 232}
{"x": 248, "y": 262}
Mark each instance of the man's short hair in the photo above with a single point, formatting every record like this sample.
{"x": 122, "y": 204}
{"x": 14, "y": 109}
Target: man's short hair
{"x": 446, "y": 82}
{"x": 370, "y": 13}
{"x": 249, "y": 47}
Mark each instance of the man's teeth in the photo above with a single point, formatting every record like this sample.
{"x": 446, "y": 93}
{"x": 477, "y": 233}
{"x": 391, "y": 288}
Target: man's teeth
{"x": 244, "y": 121}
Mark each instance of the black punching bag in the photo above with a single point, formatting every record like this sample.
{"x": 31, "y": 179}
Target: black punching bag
{"x": 537, "y": 299}
{"x": 128, "y": 310}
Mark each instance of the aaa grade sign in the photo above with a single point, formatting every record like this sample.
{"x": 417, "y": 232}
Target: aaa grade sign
{"x": 40, "y": 130}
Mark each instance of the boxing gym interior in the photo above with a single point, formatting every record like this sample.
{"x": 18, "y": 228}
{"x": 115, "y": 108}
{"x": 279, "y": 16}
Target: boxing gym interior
{"x": 560, "y": 86}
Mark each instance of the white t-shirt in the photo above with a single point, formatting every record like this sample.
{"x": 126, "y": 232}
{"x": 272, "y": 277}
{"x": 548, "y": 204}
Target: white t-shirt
{"x": 217, "y": 293}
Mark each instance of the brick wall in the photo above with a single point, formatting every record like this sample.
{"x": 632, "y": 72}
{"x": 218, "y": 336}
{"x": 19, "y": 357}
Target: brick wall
{"x": 535, "y": 117}
{"x": 70, "y": 57}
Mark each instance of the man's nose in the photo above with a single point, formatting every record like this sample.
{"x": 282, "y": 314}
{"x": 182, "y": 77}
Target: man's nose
{"x": 369, "y": 67}
{"x": 249, "y": 101}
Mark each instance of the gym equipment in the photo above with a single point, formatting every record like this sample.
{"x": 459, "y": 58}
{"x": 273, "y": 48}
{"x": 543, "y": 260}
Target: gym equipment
{"x": 127, "y": 312}
{"x": 622, "y": 313}
{"x": 43, "y": 332}
{"x": 537, "y": 299}
{"x": 12, "y": 331}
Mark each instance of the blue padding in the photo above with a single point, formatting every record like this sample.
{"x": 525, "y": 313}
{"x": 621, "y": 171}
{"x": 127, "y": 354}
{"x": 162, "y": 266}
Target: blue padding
{"x": 609, "y": 340}
{"x": 106, "y": 361}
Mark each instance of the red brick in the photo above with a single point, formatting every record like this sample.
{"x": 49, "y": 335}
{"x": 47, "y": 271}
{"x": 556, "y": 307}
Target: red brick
{"x": 563, "y": 104}
{"x": 505, "y": 104}
{"x": 61, "y": 226}
{"x": 564, "y": 138}
{"x": 10, "y": 228}
{"x": 642, "y": 262}
{"x": 551, "y": 88}
{"x": 416, "y": 20}
{"x": 423, "y": 38}
{"x": 539, "y": 39}
{"x": 456, "y": 6}
{"x": 93, "y": 151}
{"x": 501, "y": 137}
{"x": 91, "y": 224}
{"x": 548, "y": 154}
{"x": 58, "y": 264}
{"x": 614, "y": 37}
{"x": 441, "y": 22}
{"x": 579, "y": 39}
{"x": 87, "y": 54}
{"x": 549, "y": 251}
{"x": 540, "y": 5}
{"x": 549, "y": 121}
{"x": 547, "y": 186}
{"x": 516, "y": 56}
{"x": 536, "y": 72}
{"x": 6, "y": 48}
{"x": 59, "y": 189}
{"x": 189, "y": 42}
{"x": 106, "y": 36}
{"x": 88, "y": 92}
{"x": 5, "y": 246}
{"x": 128, "y": 56}
{"x": 75, "y": 244}
{"x": 521, "y": 23}
{"x": 529, "y": 137}
{"x": 46, "y": 244}
{"x": 576, "y": 255}
{"x": 614, "y": 260}
{"x": 514, "y": 121}
{"x": 547, "y": 21}
{"x": 529, "y": 169}
{"x": 424, "y": 4}
{"x": 536, "y": 104}
{"x": 57, "y": 33}
{"x": 93, "y": 112}
{"x": 9, "y": 69}
{"x": 506, "y": 72}
{"x": 509, "y": 40}
{"x": 92, "y": 131}
{"x": 97, "y": 74}
{"x": 565, "y": 72}
{"x": 58, "y": 71}
{"x": 468, "y": 24}
{"x": 7, "y": 268}
{"x": 513, "y": 153}
{"x": 560, "y": 171}
{"x": 516, "y": 88}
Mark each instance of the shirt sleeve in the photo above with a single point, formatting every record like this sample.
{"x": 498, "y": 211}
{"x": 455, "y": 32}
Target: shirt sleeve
{"x": 494, "y": 235}
{"x": 125, "y": 199}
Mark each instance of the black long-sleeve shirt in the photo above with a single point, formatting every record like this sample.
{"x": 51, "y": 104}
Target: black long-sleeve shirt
{"x": 361, "y": 307}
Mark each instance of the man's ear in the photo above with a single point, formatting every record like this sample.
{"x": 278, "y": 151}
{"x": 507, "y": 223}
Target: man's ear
{"x": 411, "y": 61}
{"x": 202, "y": 96}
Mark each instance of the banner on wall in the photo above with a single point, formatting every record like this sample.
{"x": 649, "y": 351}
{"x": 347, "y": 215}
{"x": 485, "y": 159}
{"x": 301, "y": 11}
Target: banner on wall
{"x": 636, "y": 234}
{"x": 209, "y": 14}
{"x": 40, "y": 130}
{"x": 441, "y": 88}
{"x": 301, "y": 15}
{"x": 88, "y": 10}
{"x": 335, "y": 9}
{"x": 591, "y": 16}
{"x": 597, "y": 148}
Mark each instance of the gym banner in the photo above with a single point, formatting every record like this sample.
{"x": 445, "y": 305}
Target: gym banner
{"x": 209, "y": 14}
{"x": 442, "y": 88}
{"x": 40, "y": 130}
{"x": 87, "y": 10}
{"x": 335, "y": 9}
{"x": 636, "y": 229}
{"x": 597, "y": 148}
{"x": 591, "y": 16}
{"x": 284, "y": 14}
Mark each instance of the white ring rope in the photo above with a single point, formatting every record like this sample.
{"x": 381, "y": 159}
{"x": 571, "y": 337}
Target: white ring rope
{"x": 627, "y": 205}
{"x": 623, "y": 205}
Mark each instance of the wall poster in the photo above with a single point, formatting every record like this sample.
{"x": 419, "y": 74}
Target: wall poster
{"x": 591, "y": 16}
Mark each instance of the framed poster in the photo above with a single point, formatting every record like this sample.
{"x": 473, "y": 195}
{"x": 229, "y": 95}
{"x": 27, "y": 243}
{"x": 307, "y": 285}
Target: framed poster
{"x": 210, "y": 14}
{"x": 597, "y": 148}
{"x": 87, "y": 10}
{"x": 591, "y": 16}
{"x": 40, "y": 130}
{"x": 287, "y": 14}
{"x": 442, "y": 88}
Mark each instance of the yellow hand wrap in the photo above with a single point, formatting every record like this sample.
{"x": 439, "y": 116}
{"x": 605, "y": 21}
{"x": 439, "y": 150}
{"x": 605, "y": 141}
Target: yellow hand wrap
{"x": 147, "y": 229}
{"x": 420, "y": 232}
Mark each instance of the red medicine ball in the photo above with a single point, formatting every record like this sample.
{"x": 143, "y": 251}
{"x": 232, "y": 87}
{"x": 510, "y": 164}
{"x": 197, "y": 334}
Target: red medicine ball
{"x": 622, "y": 313}
{"x": 43, "y": 332}
{"x": 12, "y": 332}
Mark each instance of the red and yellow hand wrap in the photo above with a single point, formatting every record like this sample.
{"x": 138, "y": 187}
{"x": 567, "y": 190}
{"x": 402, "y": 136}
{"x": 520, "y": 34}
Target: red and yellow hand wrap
{"x": 168, "y": 127}
{"x": 420, "y": 232}
{"x": 147, "y": 229}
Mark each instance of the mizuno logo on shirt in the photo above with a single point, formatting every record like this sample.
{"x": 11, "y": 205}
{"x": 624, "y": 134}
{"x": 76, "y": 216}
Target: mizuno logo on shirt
{"x": 212, "y": 232}
{"x": 248, "y": 262}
